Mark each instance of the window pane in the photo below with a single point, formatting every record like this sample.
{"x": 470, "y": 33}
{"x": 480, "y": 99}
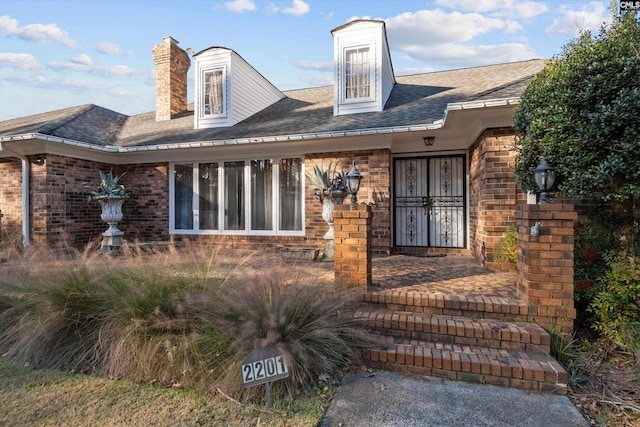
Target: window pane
{"x": 213, "y": 92}
{"x": 261, "y": 194}
{"x": 208, "y": 196}
{"x": 290, "y": 188}
{"x": 183, "y": 187}
{"x": 234, "y": 196}
{"x": 357, "y": 74}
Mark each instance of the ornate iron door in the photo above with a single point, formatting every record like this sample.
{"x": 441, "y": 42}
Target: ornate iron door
{"x": 429, "y": 202}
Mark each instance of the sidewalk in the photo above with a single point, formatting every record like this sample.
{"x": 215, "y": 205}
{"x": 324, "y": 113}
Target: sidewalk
{"x": 385, "y": 399}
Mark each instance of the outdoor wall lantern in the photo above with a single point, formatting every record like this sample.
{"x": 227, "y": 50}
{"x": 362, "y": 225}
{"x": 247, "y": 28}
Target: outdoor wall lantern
{"x": 545, "y": 177}
{"x": 39, "y": 159}
{"x": 353, "y": 182}
{"x": 428, "y": 140}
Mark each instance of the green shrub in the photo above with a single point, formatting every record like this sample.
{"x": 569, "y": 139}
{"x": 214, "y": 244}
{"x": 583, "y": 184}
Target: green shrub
{"x": 616, "y": 305}
{"x": 594, "y": 235}
{"x": 507, "y": 249}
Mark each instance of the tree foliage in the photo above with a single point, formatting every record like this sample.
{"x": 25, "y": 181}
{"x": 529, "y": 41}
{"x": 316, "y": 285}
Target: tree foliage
{"x": 582, "y": 113}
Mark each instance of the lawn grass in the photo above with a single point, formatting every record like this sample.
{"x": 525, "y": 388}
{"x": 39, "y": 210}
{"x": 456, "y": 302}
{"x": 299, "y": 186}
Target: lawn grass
{"x": 46, "y": 397}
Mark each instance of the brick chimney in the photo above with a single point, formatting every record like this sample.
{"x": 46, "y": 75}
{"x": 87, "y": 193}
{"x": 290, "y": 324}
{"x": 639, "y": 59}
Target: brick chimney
{"x": 172, "y": 64}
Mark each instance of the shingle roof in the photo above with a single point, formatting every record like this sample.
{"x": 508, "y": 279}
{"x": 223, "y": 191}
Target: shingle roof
{"x": 416, "y": 99}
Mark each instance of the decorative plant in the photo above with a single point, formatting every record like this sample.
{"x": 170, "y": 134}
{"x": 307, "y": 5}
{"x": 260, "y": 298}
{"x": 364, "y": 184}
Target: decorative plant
{"x": 328, "y": 181}
{"x": 506, "y": 251}
{"x": 108, "y": 188}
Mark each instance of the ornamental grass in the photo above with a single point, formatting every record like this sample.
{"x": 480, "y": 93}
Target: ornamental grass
{"x": 183, "y": 317}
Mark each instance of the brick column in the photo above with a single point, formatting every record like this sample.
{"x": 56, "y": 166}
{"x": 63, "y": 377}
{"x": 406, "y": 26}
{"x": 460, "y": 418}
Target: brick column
{"x": 545, "y": 264}
{"x": 352, "y": 252}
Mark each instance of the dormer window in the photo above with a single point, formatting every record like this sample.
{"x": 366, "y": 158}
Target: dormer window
{"x": 214, "y": 92}
{"x": 363, "y": 72}
{"x": 357, "y": 73}
{"x": 228, "y": 89}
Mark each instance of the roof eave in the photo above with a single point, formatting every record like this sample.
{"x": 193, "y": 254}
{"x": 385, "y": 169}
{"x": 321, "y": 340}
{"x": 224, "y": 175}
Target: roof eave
{"x": 421, "y": 127}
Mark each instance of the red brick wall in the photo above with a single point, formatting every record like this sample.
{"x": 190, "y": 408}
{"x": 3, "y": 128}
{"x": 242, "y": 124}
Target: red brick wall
{"x": 146, "y": 212}
{"x": 352, "y": 263}
{"x": 62, "y": 215}
{"x": 60, "y": 211}
{"x": 493, "y": 193}
{"x": 11, "y": 196}
{"x": 375, "y": 188}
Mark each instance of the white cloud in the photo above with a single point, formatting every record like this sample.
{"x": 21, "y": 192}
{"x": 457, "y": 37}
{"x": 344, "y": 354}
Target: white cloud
{"x": 111, "y": 49}
{"x": 82, "y": 59}
{"x": 81, "y": 64}
{"x": 19, "y": 61}
{"x": 435, "y": 27}
{"x": 456, "y": 55}
{"x": 315, "y": 65}
{"x": 513, "y": 8}
{"x": 114, "y": 70}
{"x": 240, "y": 5}
{"x": 68, "y": 66}
{"x": 298, "y": 8}
{"x": 39, "y": 33}
{"x": 572, "y": 20}
{"x": 512, "y": 27}
{"x": 444, "y": 38}
{"x": 35, "y": 80}
{"x": 74, "y": 84}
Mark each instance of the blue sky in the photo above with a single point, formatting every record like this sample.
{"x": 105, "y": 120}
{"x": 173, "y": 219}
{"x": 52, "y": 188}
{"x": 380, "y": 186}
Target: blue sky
{"x": 62, "y": 53}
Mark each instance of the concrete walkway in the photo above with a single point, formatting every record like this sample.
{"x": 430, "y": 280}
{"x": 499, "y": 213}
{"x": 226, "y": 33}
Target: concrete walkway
{"x": 385, "y": 399}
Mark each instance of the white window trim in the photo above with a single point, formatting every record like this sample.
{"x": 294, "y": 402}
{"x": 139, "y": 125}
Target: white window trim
{"x": 225, "y": 92}
{"x": 276, "y": 231}
{"x": 343, "y": 74}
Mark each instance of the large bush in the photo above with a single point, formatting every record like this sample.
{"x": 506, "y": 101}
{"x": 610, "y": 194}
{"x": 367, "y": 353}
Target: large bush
{"x": 617, "y": 301}
{"x": 581, "y": 114}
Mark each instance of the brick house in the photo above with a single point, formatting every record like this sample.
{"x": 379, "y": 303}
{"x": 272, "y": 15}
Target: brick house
{"x": 435, "y": 151}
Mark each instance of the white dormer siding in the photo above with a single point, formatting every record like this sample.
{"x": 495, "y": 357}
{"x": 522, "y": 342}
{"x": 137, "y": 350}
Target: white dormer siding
{"x": 228, "y": 89}
{"x": 363, "y": 73}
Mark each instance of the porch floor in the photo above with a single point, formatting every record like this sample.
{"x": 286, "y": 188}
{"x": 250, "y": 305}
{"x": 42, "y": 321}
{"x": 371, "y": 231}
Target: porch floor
{"x": 451, "y": 274}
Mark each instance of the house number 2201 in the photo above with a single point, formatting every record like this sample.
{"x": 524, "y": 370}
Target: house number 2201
{"x": 263, "y": 370}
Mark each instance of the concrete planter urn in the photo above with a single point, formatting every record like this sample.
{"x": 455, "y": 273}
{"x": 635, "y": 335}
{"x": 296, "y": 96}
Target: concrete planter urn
{"x": 111, "y": 195}
{"x": 331, "y": 188}
{"x": 111, "y": 214}
{"x": 328, "y": 204}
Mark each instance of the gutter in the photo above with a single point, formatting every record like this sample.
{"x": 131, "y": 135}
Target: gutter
{"x": 25, "y": 193}
{"x": 274, "y": 138}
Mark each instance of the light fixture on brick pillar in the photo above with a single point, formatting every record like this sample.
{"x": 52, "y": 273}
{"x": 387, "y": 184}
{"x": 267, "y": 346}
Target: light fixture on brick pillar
{"x": 353, "y": 182}
{"x": 428, "y": 140}
{"x": 545, "y": 177}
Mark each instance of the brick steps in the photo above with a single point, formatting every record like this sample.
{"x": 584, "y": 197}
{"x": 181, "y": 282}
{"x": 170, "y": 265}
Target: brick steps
{"x": 523, "y": 370}
{"x": 465, "y": 338}
{"x": 408, "y": 327}
{"x": 474, "y": 307}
